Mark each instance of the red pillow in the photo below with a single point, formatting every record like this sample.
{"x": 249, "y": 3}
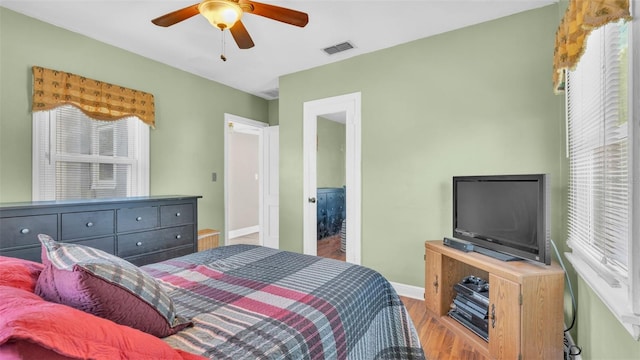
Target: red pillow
{"x": 50, "y": 327}
{"x": 19, "y": 273}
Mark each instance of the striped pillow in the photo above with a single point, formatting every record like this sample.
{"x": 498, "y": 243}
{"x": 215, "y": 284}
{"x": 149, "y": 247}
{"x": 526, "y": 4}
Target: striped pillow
{"x": 102, "y": 284}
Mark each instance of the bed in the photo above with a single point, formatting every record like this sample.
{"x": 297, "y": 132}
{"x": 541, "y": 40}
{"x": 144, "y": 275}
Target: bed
{"x": 231, "y": 302}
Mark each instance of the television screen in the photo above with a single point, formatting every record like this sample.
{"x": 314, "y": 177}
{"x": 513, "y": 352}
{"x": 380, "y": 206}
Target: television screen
{"x": 506, "y": 213}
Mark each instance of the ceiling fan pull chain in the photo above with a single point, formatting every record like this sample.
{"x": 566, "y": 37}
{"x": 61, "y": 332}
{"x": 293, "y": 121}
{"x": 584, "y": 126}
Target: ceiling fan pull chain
{"x": 224, "y": 58}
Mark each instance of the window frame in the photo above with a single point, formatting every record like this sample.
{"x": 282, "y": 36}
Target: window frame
{"x": 621, "y": 297}
{"x": 44, "y": 128}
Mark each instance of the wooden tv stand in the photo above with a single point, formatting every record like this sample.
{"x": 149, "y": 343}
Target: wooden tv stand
{"x": 526, "y": 316}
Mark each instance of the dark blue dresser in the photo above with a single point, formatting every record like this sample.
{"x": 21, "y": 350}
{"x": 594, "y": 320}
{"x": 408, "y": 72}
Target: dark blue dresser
{"x": 331, "y": 211}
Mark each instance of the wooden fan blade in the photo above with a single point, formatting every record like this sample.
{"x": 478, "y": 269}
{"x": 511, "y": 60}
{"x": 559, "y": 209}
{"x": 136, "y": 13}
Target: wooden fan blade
{"x": 176, "y": 16}
{"x": 241, "y": 35}
{"x": 278, "y": 13}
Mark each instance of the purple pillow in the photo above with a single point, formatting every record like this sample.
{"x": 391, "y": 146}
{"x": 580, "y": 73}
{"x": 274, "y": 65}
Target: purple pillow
{"x": 106, "y": 286}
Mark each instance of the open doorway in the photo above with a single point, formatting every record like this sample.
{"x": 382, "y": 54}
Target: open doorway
{"x": 348, "y": 107}
{"x": 248, "y": 180}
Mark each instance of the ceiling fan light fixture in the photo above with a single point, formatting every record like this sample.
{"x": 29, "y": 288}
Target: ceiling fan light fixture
{"x": 222, "y": 14}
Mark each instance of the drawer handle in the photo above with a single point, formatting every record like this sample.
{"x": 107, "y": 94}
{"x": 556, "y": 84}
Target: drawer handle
{"x": 178, "y": 214}
{"x": 139, "y": 243}
{"x": 435, "y": 284}
{"x": 493, "y": 315}
{"x": 25, "y": 231}
{"x": 89, "y": 224}
{"x": 139, "y": 218}
{"x": 178, "y": 236}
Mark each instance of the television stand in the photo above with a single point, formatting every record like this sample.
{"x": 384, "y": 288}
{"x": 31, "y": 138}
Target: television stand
{"x": 526, "y": 302}
{"x": 494, "y": 254}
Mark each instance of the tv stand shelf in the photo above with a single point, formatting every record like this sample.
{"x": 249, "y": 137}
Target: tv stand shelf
{"x": 525, "y": 302}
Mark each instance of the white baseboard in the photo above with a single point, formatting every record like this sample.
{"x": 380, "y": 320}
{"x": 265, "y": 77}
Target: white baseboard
{"x": 244, "y": 231}
{"x": 410, "y": 291}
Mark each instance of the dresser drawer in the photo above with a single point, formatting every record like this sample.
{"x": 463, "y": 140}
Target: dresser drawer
{"x": 141, "y": 218}
{"x": 176, "y": 214}
{"x": 31, "y": 253}
{"x": 160, "y": 256}
{"x": 106, "y": 244}
{"x": 150, "y": 241}
{"x": 24, "y": 230}
{"x": 87, "y": 224}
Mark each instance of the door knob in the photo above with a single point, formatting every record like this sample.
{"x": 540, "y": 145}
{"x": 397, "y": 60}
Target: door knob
{"x": 312, "y": 200}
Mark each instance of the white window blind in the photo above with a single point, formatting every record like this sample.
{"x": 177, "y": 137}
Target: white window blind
{"x": 76, "y": 157}
{"x": 599, "y": 130}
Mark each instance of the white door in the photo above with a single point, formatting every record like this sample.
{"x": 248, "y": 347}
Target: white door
{"x": 350, "y": 105}
{"x": 270, "y": 182}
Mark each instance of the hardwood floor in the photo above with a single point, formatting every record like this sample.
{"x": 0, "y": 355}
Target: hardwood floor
{"x": 329, "y": 247}
{"x": 249, "y": 239}
{"x": 437, "y": 340}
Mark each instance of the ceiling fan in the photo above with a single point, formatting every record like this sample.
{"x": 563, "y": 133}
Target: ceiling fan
{"x": 226, "y": 14}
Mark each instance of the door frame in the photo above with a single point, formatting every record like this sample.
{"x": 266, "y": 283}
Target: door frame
{"x": 258, "y": 125}
{"x": 270, "y": 215}
{"x": 351, "y": 105}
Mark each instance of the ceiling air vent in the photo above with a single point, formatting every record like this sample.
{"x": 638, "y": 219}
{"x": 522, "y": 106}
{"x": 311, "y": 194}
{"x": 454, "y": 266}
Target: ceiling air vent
{"x": 338, "y": 48}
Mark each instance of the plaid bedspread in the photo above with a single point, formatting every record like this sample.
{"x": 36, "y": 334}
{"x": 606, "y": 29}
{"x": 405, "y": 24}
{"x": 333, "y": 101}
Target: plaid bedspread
{"x": 251, "y": 302}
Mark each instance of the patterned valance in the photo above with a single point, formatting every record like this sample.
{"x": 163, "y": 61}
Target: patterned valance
{"x": 97, "y": 99}
{"x": 581, "y": 17}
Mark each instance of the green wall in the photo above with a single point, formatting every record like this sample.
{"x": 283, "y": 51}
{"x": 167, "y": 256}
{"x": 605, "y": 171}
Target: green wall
{"x": 330, "y": 167}
{"x": 274, "y": 108}
{"x": 187, "y": 144}
{"x": 473, "y": 101}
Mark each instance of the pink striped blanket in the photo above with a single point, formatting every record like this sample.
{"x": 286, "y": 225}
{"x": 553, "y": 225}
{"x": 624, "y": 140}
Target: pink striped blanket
{"x": 250, "y": 302}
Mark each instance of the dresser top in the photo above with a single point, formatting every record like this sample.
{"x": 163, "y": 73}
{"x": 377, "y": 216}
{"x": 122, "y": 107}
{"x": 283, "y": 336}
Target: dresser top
{"x": 53, "y": 203}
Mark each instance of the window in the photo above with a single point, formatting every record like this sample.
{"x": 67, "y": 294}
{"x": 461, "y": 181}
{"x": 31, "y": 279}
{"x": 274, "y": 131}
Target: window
{"x": 601, "y": 139}
{"x": 105, "y": 144}
{"x": 76, "y": 157}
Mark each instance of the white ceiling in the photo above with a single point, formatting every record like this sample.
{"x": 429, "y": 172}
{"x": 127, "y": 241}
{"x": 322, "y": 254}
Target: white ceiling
{"x": 195, "y": 46}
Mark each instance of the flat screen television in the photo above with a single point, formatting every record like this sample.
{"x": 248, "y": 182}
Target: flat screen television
{"x": 507, "y": 214}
